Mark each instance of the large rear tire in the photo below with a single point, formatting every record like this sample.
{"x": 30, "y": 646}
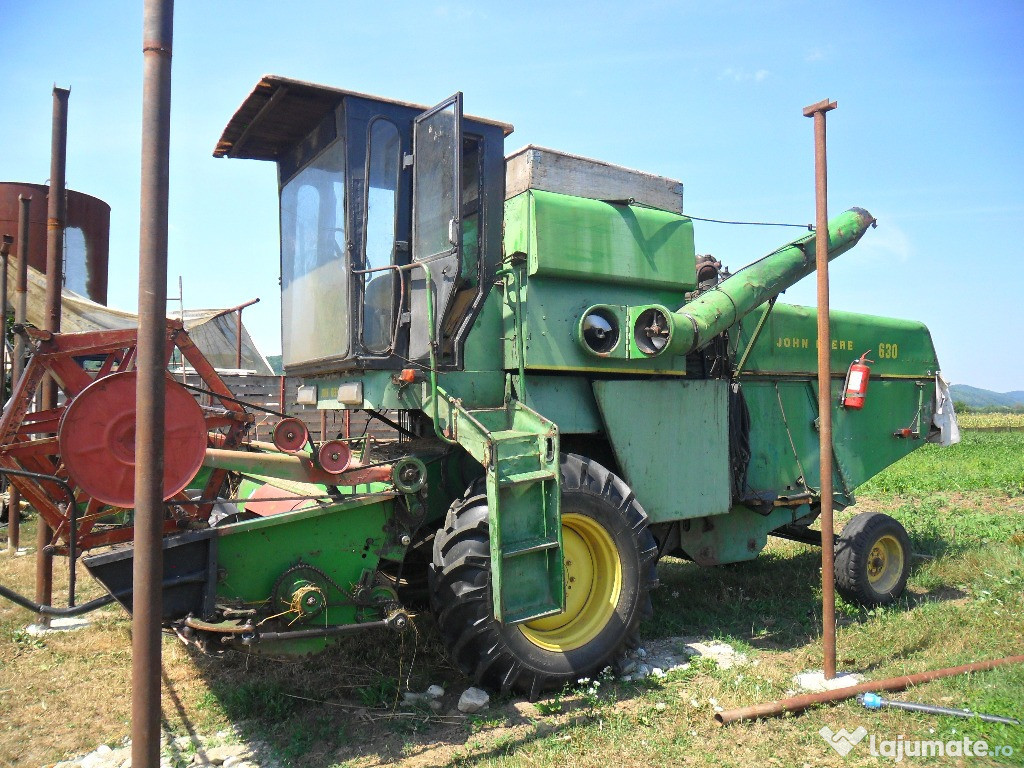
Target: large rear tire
{"x": 609, "y": 559}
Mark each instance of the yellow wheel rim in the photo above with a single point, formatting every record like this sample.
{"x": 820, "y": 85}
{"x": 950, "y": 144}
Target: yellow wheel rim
{"x": 593, "y": 581}
{"x": 885, "y": 564}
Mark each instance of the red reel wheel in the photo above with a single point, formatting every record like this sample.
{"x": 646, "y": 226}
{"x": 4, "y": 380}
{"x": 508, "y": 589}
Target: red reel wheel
{"x": 290, "y": 435}
{"x": 334, "y": 456}
{"x": 97, "y": 439}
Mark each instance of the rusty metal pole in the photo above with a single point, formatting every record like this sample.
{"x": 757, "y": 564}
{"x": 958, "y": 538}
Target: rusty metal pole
{"x": 56, "y": 204}
{"x": 828, "y": 595}
{"x": 799, "y": 703}
{"x": 20, "y": 307}
{"x": 238, "y": 341}
{"x": 5, "y": 252}
{"x": 147, "y": 602}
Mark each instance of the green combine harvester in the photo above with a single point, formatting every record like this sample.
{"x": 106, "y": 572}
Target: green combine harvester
{"x": 574, "y": 394}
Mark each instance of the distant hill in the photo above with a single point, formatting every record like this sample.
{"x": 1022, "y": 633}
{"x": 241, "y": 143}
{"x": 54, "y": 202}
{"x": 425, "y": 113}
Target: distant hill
{"x": 278, "y": 369}
{"x": 983, "y": 398}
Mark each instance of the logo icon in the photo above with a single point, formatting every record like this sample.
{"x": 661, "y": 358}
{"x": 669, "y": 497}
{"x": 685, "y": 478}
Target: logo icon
{"x": 843, "y": 741}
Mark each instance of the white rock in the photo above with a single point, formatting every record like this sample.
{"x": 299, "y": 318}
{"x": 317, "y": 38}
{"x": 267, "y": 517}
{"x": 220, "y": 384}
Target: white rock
{"x": 219, "y": 755}
{"x": 658, "y": 672}
{"x": 56, "y": 625}
{"x": 473, "y": 700}
{"x": 642, "y": 671}
{"x": 413, "y": 699}
{"x": 815, "y": 681}
{"x": 661, "y": 706}
{"x": 435, "y": 691}
{"x": 722, "y": 654}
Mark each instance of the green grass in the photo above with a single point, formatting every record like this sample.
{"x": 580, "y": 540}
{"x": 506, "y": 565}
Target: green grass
{"x": 981, "y": 461}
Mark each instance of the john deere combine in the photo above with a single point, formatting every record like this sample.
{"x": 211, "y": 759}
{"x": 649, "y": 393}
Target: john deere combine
{"x": 575, "y": 394}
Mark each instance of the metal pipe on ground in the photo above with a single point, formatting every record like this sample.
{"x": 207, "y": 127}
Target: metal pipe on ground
{"x": 18, "y": 361}
{"x": 56, "y": 218}
{"x": 796, "y": 704}
{"x": 147, "y": 602}
{"x": 828, "y": 597}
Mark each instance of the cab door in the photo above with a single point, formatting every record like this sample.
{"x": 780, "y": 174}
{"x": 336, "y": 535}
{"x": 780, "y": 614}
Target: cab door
{"x": 436, "y": 224}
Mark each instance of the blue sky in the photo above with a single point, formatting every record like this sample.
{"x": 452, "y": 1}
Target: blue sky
{"x": 927, "y": 135}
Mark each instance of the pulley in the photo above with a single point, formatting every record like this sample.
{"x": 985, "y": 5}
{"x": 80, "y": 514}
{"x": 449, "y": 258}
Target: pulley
{"x": 96, "y": 437}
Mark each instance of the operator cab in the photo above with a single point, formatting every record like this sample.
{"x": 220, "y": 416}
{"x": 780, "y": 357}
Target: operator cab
{"x": 378, "y": 199}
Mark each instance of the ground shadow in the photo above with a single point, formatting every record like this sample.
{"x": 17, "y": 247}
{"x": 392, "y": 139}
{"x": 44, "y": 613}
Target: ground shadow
{"x": 343, "y": 704}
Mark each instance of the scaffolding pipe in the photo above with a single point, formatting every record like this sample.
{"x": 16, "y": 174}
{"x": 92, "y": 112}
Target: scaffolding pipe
{"x": 18, "y": 361}
{"x": 147, "y": 603}
{"x": 800, "y": 703}
{"x": 5, "y": 256}
{"x": 56, "y": 216}
{"x": 828, "y": 595}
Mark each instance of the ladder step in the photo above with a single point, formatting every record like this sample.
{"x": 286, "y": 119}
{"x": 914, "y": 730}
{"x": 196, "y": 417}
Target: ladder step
{"x": 511, "y": 434}
{"x": 519, "y": 478}
{"x": 534, "y": 612}
{"x": 529, "y": 545}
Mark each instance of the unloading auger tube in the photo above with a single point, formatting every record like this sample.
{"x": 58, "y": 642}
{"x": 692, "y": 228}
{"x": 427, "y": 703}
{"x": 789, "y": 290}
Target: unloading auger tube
{"x": 660, "y": 331}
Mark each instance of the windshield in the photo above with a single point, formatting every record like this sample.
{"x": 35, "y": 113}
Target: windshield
{"x": 314, "y": 263}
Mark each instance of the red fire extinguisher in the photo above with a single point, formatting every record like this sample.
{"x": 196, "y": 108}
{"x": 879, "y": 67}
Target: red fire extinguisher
{"x": 856, "y": 387}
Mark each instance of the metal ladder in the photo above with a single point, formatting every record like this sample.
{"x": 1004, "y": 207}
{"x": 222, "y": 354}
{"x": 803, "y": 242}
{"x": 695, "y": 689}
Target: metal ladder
{"x": 519, "y": 451}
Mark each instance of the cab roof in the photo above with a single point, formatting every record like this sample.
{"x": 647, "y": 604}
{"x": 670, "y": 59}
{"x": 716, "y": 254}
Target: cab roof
{"x": 280, "y": 112}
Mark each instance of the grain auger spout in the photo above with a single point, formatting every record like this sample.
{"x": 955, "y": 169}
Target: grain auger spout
{"x": 659, "y": 331}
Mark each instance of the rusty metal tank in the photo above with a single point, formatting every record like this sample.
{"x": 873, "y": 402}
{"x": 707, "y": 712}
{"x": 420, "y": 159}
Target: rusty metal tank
{"x": 86, "y": 238}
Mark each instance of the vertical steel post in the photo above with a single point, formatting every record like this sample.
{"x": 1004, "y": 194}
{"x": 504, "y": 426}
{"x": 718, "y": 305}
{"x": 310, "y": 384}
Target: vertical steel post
{"x": 5, "y": 252}
{"x": 323, "y": 426}
{"x": 828, "y": 596}
{"x": 20, "y": 307}
{"x": 238, "y": 340}
{"x": 147, "y": 603}
{"x": 56, "y": 204}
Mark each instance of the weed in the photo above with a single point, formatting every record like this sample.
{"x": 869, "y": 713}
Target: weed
{"x": 380, "y": 694}
{"x": 553, "y": 706}
{"x": 478, "y": 723}
{"x": 26, "y": 640}
{"x": 254, "y": 700}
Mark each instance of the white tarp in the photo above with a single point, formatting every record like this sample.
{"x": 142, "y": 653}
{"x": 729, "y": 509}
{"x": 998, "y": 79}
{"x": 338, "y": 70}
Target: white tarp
{"x": 215, "y": 336}
{"x": 944, "y": 417}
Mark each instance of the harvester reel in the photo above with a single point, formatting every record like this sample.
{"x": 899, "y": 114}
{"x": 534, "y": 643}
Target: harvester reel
{"x": 88, "y": 440}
